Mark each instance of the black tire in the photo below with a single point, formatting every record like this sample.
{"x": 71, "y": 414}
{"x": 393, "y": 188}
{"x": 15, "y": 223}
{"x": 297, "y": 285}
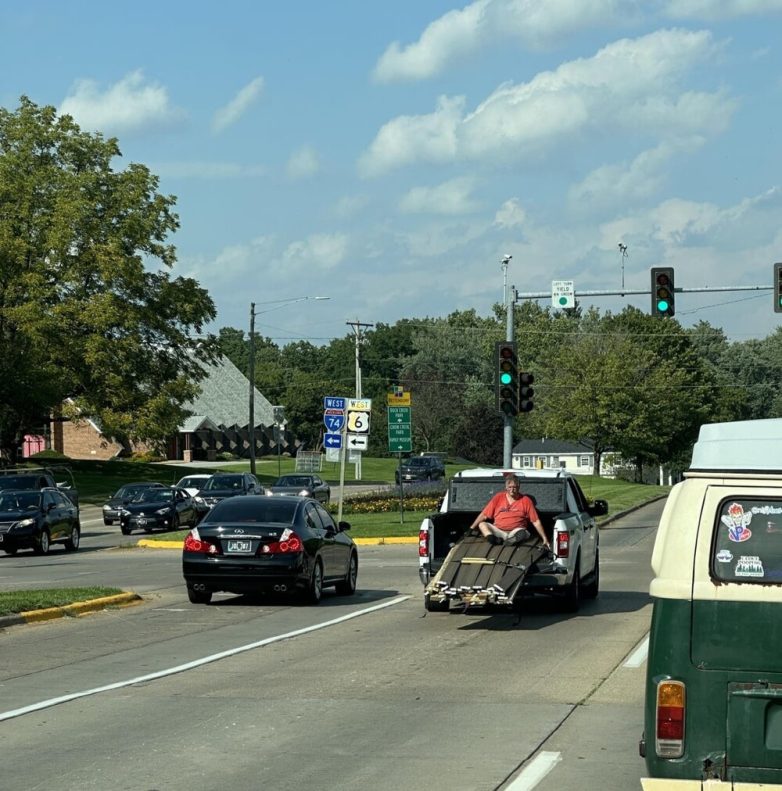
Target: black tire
{"x": 435, "y": 606}
{"x": 72, "y": 544}
{"x": 572, "y": 597}
{"x": 591, "y": 589}
{"x": 174, "y": 524}
{"x": 125, "y": 530}
{"x": 43, "y": 545}
{"x": 199, "y": 597}
{"x": 314, "y": 591}
{"x": 108, "y": 522}
{"x": 347, "y": 587}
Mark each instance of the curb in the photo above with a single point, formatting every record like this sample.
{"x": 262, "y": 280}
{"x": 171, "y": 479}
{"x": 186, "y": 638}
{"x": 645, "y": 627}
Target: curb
{"x": 73, "y": 610}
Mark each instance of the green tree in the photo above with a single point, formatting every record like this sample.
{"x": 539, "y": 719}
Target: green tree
{"x": 84, "y": 315}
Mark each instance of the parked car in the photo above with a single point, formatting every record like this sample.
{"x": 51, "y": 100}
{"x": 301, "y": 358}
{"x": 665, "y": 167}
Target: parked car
{"x": 40, "y": 478}
{"x": 263, "y": 544}
{"x": 112, "y": 508}
{"x": 166, "y": 507}
{"x": 37, "y": 518}
{"x": 420, "y": 468}
{"x": 227, "y": 484}
{"x": 193, "y": 483}
{"x": 303, "y": 485}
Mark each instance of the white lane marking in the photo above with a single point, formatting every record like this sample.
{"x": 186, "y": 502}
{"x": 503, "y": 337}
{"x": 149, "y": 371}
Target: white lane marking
{"x": 540, "y": 766}
{"x": 45, "y": 704}
{"x": 638, "y": 657}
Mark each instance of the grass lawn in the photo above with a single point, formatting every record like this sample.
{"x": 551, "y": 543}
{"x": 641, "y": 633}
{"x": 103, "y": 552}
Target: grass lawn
{"x": 22, "y": 601}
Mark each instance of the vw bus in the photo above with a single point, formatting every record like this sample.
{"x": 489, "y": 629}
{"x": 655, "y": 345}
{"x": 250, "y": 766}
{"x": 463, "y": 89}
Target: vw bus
{"x": 713, "y": 711}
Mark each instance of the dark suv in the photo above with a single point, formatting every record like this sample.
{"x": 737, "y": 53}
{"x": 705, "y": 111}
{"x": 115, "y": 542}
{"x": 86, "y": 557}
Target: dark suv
{"x": 421, "y": 468}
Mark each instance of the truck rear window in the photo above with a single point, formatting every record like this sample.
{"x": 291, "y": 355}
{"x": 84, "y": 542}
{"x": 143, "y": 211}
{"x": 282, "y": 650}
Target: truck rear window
{"x": 473, "y": 495}
{"x": 747, "y": 545}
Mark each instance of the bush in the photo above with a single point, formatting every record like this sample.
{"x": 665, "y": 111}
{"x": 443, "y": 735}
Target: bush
{"x": 54, "y": 455}
{"x": 227, "y": 456}
{"x": 145, "y": 457}
{"x": 419, "y": 498}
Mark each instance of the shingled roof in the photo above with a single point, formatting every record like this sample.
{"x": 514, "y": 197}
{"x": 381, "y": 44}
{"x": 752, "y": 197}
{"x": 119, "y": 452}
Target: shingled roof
{"x": 224, "y": 400}
{"x": 551, "y": 446}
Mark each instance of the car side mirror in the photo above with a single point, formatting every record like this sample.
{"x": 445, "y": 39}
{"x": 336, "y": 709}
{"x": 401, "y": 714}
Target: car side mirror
{"x": 343, "y": 526}
{"x": 598, "y": 508}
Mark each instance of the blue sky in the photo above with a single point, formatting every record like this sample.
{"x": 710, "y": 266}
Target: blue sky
{"x": 387, "y": 155}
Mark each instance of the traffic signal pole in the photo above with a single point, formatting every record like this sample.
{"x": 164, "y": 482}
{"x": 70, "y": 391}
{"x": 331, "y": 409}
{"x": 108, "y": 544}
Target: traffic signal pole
{"x": 507, "y": 429}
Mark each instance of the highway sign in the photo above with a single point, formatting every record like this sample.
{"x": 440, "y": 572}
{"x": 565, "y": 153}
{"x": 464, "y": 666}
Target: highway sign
{"x": 400, "y": 445}
{"x": 332, "y": 454}
{"x": 357, "y": 441}
{"x": 332, "y": 440}
{"x": 400, "y": 432}
{"x": 398, "y": 398}
{"x": 334, "y": 402}
{"x": 359, "y": 404}
{"x": 563, "y": 294}
{"x": 358, "y": 422}
{"x": 398, "y": 414}
{"x": 334, "y": 419}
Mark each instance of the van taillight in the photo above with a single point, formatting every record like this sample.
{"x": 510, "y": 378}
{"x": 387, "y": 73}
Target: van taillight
{"x": 423, "y": 543}
{"x": 563, "y": 544}
{"x": 194, "y": 543}
{"x": 669, "y": 736}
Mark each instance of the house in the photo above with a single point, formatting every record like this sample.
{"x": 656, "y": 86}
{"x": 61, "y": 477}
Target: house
{"x": 218, "y": 423}
{"x": 548, "y": 454}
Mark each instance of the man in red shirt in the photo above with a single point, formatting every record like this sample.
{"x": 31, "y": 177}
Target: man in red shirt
{"x": 508, "y": 515}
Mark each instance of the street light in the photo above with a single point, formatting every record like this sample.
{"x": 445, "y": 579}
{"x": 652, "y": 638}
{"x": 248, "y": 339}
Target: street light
{"x": 278, "y": 303}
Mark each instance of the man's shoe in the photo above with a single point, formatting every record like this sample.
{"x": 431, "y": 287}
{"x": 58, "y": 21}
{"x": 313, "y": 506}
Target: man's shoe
{"x": 518, "y": 538}
{"x": 492, "y": 539}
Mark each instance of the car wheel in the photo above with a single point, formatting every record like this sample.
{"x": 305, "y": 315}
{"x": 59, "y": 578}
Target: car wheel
{"x": 108, "y": 522}
{"x": 199, "y": 597}
{"x": 573, "y": 591}
{"x": 435, "y": 606}
{"x": 125, "y": 530}
{"x": 174, "y": 523}
{"x": 592, "y": 588}
{"x": 347, "y": 587}
{"x": 314, "y": 590}
{"x": 42, "y": 547}
{"x": 72, "y": 544}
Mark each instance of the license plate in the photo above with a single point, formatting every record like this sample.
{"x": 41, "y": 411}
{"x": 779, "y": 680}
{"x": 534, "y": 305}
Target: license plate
{"x": 240, "y": 546}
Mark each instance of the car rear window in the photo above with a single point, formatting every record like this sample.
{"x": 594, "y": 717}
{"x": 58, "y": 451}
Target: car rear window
{"x": 254, "y": 509}
{"x": 747, "y": 543}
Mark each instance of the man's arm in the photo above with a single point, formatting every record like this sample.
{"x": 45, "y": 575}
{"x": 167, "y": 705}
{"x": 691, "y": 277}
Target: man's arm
{"x": 541, "y": 532}
{"x": 478, "y": 519}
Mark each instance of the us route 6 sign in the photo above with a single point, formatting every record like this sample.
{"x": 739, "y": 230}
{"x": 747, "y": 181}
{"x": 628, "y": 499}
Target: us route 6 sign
{"x": 359, "y": 410}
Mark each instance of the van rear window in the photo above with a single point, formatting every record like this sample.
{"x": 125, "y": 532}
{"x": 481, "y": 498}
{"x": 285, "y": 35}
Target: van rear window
{"x": 747, "y": 545}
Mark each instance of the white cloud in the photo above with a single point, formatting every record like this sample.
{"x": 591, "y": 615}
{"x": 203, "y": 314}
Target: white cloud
{"x": 510, "y": 214}
{"x": 229, "y": 114}
{"x": 450, "y": 197}
{"x": 317, "y": 252}
{"x": 350, "y": 205}
{"x": 207, "y": 170}
{"x": 719, "y": 9}
{"x": 303, "y": 163}
{"x": 130, "y": 105}
{"x": 629, "y": 86}
{"x": 483, "y": 22}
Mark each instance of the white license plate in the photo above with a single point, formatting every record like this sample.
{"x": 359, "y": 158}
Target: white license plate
{"x": 240, "y": 546}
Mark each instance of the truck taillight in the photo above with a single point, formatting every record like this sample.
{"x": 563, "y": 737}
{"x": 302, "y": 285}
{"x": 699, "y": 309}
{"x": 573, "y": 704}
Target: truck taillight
{"x": 423, "y": 543}
{"x": 563, "y": 544}
{"x": 669, "y": 733}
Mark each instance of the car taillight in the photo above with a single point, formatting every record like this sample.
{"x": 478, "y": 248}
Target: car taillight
{"x": 194, "y": 543}
{"x": 289, "y": 542}
{"x": 669, "y": 735}
{"x": 563, "y": 544}
{"x": 423, "y": 543}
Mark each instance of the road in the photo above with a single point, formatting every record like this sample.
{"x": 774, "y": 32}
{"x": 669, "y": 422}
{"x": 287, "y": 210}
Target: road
{"x": 363, "y": 692}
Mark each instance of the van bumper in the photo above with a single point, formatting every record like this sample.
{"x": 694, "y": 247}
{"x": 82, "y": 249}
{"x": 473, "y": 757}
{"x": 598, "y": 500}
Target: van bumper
{"x": 666, "y": 784}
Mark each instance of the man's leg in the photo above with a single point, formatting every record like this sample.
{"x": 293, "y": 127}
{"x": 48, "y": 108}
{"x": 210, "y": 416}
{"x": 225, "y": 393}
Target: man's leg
{"x": 491, "y": 533}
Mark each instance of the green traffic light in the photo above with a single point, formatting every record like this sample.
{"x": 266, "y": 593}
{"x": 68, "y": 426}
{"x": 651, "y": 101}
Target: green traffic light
{"x": 662, "y": 305}
{"x": 505, "y": 378}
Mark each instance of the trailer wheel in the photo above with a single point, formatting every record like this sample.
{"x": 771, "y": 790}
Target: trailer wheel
{"x": 435, "y": 606}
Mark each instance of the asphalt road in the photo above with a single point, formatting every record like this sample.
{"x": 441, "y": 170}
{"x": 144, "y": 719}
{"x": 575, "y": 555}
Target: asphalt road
{"x": 360, "y": 692}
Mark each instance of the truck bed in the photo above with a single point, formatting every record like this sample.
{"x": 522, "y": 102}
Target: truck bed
{"x": 477, "y": 572}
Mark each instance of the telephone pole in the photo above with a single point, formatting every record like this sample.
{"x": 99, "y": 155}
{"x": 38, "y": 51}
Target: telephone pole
{"x": 357, "y": 327}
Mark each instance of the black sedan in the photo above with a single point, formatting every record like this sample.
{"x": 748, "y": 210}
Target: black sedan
{"x": 37, "y": 519}
{"x": 112, "y": 508}
{"x": 166, "y": 508}
{"x": 303, "y": 485}
{"x": 263, "y": 544}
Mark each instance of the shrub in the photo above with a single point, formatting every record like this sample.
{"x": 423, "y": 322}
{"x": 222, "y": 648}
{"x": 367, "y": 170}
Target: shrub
{"x": 145, "y": 457}
{"x": 50, "y": 454}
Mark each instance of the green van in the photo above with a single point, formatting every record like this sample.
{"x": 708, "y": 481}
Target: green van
{"x": 713, "y": 711}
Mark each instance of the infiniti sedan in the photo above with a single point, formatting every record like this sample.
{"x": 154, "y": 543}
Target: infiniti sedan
{"x": 261, "y": 544}
{"x": 167, "y": 508}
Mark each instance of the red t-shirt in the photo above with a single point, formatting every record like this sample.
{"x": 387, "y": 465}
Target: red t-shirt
{"x": 510, "y": 515}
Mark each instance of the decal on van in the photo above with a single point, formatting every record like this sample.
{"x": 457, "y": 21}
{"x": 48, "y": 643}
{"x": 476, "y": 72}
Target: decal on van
{"x": 737, "y": 520}
{"x": 749, "y": 566}
{"x": 724, "y": 556}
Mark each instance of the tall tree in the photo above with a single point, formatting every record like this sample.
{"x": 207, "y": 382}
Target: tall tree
{"x": 83, "y": 312}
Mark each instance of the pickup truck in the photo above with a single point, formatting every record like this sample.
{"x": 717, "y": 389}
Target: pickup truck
{"x": 24, "y": 478}
{"x": 571, "y": 570}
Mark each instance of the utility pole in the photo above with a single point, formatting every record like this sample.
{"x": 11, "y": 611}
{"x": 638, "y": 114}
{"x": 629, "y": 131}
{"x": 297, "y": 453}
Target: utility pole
{"x": 507, "y": 430}
{"x": 251, "y": 377}
{"x": 357, "y": 327}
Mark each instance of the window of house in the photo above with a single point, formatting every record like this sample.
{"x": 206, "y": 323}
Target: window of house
{"x": 526, "y": 461}
{"x": 583, "y": 461}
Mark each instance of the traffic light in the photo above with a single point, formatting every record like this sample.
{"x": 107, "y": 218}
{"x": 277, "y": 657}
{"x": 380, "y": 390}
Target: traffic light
{"x": 777, "y": 288}
{"x": 526, "y": 392}
{"x": 663, "y": 296}
{"x": 507, "y": 378}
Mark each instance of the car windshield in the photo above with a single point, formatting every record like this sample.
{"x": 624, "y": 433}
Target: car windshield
{"x": 129, "y": 491}
{"x": 153, "y": 496}
{"x": 294, "y": 480}
{"x": 223, "y": 482}
{"x": 419, "y": 462}
{"x": 18, "y": 482}
{"x": 192, "y": 483}
{"x": 19, "y": 501}
{"x": 254, "y": 509}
